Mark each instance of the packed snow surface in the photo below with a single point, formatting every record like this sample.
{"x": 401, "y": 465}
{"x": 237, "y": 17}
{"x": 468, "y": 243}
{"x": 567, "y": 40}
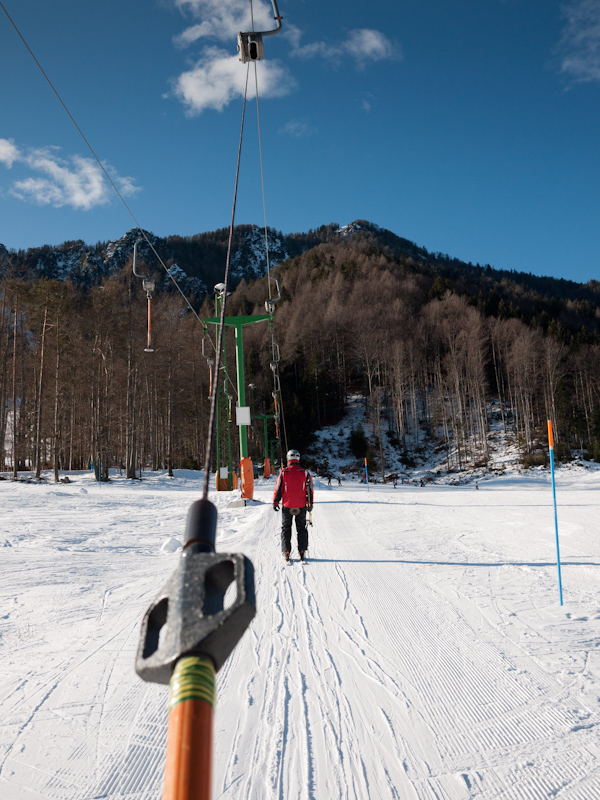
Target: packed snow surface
{"x": 421, "y": 653}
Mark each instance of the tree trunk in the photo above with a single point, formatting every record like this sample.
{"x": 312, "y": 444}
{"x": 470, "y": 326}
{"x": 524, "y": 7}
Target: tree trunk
{"x": 14, "y": 394}
{"x": 56, "y": 405}
{"x": 38, "y": 425}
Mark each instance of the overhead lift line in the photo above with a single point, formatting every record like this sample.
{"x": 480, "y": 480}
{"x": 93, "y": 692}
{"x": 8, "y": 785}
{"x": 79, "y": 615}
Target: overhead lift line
{"x": 219, "y": 348}
{"x": 100, "y": 164}
{"x": 262, "y": 177}
{"x": 114, "y": 186}
{"x": 199, "y": 632}
{"x": 187, "y": 634}
{"x": 278, "y": 19}
{"x": 270, "y": 303}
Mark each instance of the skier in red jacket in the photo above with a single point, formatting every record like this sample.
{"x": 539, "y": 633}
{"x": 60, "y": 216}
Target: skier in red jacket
{"x": 294, "y": 489}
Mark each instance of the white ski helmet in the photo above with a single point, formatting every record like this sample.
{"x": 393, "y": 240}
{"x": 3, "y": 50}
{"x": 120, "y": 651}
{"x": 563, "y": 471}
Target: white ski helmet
{"x": 293, "y": 455}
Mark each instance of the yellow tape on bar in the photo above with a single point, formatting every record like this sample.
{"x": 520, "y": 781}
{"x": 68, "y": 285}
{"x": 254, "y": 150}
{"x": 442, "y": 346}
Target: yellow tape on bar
{"x": 193, "y": 679}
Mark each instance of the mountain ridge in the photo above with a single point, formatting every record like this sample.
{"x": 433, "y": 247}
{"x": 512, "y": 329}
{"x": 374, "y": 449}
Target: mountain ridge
{"x": 199, "y": 260}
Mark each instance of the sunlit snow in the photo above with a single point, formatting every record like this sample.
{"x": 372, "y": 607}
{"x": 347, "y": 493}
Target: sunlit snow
{"x": 421, "y": 653}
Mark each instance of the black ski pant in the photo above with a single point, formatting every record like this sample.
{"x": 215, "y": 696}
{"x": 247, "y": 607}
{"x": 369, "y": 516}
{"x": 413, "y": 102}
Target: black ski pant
{"x": 286, "y": 530}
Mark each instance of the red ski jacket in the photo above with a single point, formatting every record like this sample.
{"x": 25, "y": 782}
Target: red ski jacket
{"x": 294, "y": 487}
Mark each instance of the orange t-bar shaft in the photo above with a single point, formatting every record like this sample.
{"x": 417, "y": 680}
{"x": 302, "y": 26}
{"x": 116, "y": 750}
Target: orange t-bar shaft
{"x": 188, "y": 767}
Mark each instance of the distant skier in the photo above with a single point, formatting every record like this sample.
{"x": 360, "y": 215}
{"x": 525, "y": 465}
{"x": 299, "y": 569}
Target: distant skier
{"x": 294, "y": 489}
{"x": 329, "y": 480}
{"x": 339, "y": 481}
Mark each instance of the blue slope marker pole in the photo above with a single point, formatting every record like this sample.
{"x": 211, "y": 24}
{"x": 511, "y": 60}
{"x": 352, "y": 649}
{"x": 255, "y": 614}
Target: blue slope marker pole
{"x": 551, "y": 443}
{"x": 367, "y": 474}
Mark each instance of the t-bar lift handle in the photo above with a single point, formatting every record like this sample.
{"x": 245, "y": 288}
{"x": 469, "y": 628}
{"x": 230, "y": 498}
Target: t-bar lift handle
{"x": 250, "y": 44}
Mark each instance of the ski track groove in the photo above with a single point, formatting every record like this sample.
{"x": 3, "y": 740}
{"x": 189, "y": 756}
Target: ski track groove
{"x": 79, "y": 774}
{"x": 327, "y": 695}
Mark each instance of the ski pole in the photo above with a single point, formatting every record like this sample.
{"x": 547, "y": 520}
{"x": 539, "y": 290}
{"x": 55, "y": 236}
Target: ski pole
{"x": 551, "y": 444}
{"x": 186, "y": 637}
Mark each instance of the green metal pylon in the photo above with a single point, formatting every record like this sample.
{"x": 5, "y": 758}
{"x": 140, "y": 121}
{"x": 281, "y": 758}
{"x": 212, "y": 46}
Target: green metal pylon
{"x": 238, "y": 323}
{"x": 265, "y": 417}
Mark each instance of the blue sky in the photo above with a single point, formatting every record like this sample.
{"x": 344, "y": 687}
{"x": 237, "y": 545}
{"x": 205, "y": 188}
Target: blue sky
{"x": 471, "y": 127}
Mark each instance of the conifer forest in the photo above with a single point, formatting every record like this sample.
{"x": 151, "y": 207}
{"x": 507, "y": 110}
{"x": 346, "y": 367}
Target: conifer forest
{"x": 438, "y": 348}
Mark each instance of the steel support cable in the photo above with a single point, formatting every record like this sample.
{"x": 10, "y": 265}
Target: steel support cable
{"x": 223, "y": 368}
{"x": 206, "y": 638}
{"x": 283, "y": 421}
{"x": 219, "y": 349}
{"x": 100, "y": 164}
{"x": 233, "y": 386}
{"x": 262, "y": 178}
{"x": 276, "y": 380}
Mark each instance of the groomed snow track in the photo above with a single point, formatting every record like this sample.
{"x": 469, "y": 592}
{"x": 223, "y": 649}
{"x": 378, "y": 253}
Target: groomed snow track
{"x": 421, "y": 653}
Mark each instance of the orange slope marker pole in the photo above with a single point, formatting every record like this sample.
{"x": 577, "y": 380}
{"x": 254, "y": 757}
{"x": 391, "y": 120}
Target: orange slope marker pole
{"x": 149, "y": 323}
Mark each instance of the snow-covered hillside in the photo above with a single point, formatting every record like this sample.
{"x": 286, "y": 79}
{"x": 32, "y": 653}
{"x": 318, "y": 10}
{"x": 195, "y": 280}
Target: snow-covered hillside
{"x": 421, "y": 653}
{"x": 331, "y": 450}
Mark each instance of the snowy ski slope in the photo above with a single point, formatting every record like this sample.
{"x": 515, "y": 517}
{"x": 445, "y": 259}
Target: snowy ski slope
{"x": 421, "y": 653}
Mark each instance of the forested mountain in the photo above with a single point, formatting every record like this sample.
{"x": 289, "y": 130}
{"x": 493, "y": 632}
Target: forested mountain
{"x": 199, "y": 260}
{"x": 428, "y": 339}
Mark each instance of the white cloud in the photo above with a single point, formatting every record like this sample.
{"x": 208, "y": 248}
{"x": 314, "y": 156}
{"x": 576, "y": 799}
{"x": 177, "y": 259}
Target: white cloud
{"x": 361, "y": 44}
{"x": 293, "y": 34}
{"x": 366, "y": 44}
{"x": 9, "y": 153}
{"x": 297, "y": 129}
{"x": 218, "y": 77}
{"x": 77, "y": 182}
{"x": 223, "y": 19}
{"x": 580, "y": 41}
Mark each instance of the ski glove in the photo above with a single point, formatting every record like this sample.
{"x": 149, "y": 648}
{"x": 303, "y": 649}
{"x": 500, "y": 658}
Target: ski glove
{"x": 275, "y": 506}
{"x": 309, "y": 508}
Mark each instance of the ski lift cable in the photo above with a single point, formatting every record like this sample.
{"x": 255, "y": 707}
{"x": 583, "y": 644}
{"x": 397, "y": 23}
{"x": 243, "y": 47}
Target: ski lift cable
{"x": 203, "y": 640}
{"x": 270, "y": 303}
{"x": 262, "y": 176}
{"x": 100, "y": 164}
{"x": 210, "y": 360}
{"x": 219, "y": 348}
{"x": 112, "y": 183}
